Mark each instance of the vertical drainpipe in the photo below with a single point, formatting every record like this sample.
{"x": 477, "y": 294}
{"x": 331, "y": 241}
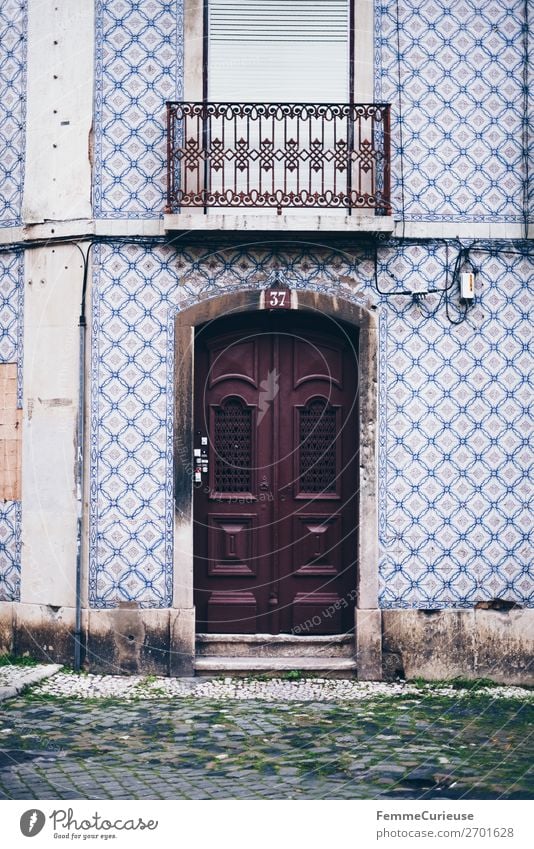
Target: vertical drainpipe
{"x": 526, "y": 125}
{"x": 205, "y": 136}
{"x": 350, "y": 126}
{"x": 82, "y": 324}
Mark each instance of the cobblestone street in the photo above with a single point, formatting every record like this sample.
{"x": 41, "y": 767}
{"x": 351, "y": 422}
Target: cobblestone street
{"x": 347, "y": 742}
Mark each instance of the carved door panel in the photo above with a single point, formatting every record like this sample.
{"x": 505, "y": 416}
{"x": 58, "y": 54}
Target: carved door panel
{"x": 318, "y": 486}
{"x": 275, "y": 476}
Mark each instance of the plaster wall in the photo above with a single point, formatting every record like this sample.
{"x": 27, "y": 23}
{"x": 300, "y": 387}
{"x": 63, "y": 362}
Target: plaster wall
{"x": 363, "y": 51}
{"x": 53, "y": 291}
{"x": 59, "y": 111}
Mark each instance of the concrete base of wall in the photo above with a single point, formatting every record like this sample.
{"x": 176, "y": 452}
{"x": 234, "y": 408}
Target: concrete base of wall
{"x": 444, "y": 644}
{"x": 44, "y": 632}
{"x": 368, "y": 644}
{"x": 126, "y": 640}
{"x": 129, "y": 640}
{"x": 434, "y": 645}
{"x": 6, "y": 627}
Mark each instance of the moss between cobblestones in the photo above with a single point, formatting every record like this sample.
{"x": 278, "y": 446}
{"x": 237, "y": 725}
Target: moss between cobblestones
{"x": 68, "y": 670}
{"x": 469, "y": 684}
{"x": 398, "y": 747}
{"x": 33, "y": 695}
{"x": 10, "y": 660}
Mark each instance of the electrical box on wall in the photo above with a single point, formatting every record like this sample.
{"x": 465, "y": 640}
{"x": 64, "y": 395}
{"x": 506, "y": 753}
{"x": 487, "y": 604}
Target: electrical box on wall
{"x": 467, "y": 285}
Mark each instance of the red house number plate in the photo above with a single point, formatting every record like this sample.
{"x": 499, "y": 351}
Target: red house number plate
{"x": 277, "y": 299}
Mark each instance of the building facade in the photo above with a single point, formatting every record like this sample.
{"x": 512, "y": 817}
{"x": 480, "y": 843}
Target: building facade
{"x": 125, "y": 232}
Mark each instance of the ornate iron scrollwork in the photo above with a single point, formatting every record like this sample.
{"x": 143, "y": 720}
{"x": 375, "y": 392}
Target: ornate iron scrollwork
{"x": 325, "y": 155}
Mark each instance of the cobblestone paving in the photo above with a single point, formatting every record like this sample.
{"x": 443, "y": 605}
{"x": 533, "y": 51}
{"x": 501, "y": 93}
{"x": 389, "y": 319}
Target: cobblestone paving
{"x": 399, "y": 746}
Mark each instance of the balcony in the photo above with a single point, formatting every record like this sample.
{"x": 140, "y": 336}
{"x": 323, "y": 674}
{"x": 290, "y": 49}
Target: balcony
{"x": 249, "y": 165}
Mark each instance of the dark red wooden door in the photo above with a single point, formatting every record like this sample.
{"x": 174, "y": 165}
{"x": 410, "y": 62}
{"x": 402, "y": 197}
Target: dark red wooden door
{"x": 275, "y": 472}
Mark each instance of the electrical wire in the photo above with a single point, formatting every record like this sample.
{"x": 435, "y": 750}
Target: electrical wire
{"x": 463, "y": 255}
{"x": 54, "y": 241}
{"x": 476, "y": 245}
{"x": 462, "y": 317}
{"x": 434, "y": 291}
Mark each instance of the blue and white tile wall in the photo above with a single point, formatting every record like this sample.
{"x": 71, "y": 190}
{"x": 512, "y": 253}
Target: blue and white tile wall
{"x": 10, "y": 541}
{"x": 453, "y": 467}
{"x": 13, "y": 22}
{"x": 454, "y": 74}
{"x": 138, "y": 66}
{"x": 13, "y": 28}
{"x": 11, "y": 327}
{"x": 136, "y": 294}
{"x": 453, "y": 409}
{"x": 455, "y": 429}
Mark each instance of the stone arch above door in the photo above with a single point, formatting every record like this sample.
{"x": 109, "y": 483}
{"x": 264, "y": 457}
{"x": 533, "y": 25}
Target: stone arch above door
{"x": 368, "y": 617}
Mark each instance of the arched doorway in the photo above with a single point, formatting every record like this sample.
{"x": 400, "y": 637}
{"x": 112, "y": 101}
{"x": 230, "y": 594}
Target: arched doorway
{"x": 346, "y": 313}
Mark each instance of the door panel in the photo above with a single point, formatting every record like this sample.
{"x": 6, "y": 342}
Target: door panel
{"x": 233, "y": 359}
{"x": 276, "y": 475}
{"x": 232, "y": 436}
{"x": 317, "y": 450}
{"x": 231, "y": 545}
{"x": 318, "y": 361}
{"x": 315, "y": 541}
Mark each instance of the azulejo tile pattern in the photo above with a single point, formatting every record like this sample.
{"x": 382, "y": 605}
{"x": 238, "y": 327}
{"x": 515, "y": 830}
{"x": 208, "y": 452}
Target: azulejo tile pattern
{"x": 11, "y": 306}
{"x": 137, "y": 292}
{"x": 453, "y": 462}
{"x": 10, "y": 538}
{"x": 455, "y": 525}
{"x": 13, "y": 21}
{"x": 11, "y": 350}
{"x": 454, "y": 74}
{"x": 138, "y": 66}
{"x": 131, "y": 430}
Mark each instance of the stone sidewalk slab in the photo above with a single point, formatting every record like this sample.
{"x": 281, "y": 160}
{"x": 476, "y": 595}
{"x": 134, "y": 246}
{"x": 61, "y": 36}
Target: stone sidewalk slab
{"x": 14, "y": 679}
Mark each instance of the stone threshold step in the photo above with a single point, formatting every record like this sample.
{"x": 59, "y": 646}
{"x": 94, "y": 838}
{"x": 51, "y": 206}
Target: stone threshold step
{"x": 274, "y": 645}
{"x": 331, "y": 667}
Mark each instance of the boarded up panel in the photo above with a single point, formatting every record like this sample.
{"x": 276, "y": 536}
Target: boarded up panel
{"x": 276, "y": 51}
{"x": 10, "y": 434}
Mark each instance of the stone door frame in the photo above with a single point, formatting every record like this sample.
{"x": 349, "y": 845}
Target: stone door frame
{"x": 368, "y": 626}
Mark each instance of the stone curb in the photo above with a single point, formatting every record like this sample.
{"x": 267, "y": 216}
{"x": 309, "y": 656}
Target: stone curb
{"x": 28, "y": 677}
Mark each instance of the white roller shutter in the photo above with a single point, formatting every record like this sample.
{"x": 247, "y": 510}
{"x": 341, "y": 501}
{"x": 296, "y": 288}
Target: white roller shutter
{"x": 278, "y": 50}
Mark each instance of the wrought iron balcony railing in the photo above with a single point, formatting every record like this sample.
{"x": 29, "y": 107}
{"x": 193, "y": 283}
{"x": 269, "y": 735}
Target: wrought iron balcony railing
{"x": 278, "y": 155}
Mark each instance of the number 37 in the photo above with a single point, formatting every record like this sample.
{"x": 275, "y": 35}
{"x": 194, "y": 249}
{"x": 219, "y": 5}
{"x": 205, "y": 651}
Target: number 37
{"x": 277, "y": 298}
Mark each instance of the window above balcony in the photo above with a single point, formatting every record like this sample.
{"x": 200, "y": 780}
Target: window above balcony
{"x": 272, "y": 51}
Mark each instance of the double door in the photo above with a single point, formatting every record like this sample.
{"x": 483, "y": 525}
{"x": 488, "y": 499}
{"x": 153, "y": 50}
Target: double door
{"x": 276, "y": 475}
